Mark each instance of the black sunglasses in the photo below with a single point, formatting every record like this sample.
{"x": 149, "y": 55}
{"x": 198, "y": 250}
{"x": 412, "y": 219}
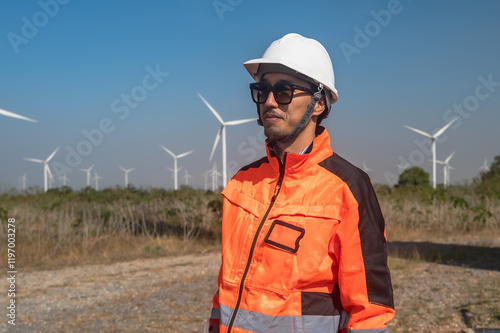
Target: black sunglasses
{"x": 283, "y": 92}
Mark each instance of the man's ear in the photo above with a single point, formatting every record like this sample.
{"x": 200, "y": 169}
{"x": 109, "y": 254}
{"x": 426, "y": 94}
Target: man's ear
{"x": 320, "y": 106}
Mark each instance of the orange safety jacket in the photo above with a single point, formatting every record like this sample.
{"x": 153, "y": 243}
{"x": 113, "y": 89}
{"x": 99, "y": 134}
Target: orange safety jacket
{"x": 303, "y": 248}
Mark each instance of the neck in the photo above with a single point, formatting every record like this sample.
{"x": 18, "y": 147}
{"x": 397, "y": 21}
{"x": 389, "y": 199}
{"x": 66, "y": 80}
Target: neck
{"x": 298, "y": 144}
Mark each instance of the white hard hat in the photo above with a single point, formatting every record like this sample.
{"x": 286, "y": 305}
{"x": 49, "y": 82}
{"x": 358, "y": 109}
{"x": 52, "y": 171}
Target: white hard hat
{"x": 296, "y": 55}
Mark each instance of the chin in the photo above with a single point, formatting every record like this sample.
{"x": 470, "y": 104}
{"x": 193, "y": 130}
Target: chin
{"x": 275, "y": 134}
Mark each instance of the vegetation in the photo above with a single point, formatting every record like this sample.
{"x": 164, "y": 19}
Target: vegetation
{"x": 113, "y": 224}
{"x": 64, "y": 226}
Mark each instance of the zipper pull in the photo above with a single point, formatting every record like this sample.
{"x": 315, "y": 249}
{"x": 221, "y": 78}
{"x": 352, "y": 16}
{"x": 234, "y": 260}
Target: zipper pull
{"x": 276, "y": 190}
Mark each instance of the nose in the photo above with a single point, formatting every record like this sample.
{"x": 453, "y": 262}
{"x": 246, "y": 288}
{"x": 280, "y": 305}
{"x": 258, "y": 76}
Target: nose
{"x": 270, "y": 101}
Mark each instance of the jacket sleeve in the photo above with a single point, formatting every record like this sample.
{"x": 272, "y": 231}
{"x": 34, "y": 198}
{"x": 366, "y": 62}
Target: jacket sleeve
{"x": 363, "y": 274}
{"x": 213, "y": 322}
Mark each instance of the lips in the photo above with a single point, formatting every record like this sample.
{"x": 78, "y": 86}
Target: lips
{"x": 271, "y": 115}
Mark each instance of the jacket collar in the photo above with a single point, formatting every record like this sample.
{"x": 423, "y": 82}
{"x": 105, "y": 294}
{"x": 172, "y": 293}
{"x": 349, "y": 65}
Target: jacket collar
{"x": 317, "y": 151}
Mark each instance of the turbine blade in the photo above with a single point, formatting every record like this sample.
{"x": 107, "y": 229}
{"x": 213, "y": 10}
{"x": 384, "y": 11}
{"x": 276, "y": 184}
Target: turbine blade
{"x": 219, "y": 118}
{"x": 49, "y": 172}
{"x": 34, "y": 160}
{"x": 185, "y": 154}
{"x": 123, "y": 169}
{"x": 168, "y": 151}
{"x": 445, "y": 127}
{"x": 419, "y": 131}
{"x": 449, "y": 158}
{"x": 14, "y": 115}
{"x": 52, "y": 155}
{"x": 238, "y": 122}
{"x": 217, "y": 138}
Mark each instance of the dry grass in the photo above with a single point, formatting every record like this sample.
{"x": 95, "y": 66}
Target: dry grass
{"x": 108, "y": 249}
{"x": 57, "y": 229}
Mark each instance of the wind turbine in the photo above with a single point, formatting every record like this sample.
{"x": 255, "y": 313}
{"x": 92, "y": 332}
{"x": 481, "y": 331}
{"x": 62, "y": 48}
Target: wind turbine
{"x": 446, "y": 169}
{"x": 46, "y": 169}
{"x": 64, "y": 179}
{"x": 126, "y": 174}
{"x": 433, "y": 147}
{"x": 215, "y": 175}
{"x": 186, "y": 176}
{"x": 24, "y": 179}
{"x": 206, "y": 174}
{"x": 365, "y": 168}
{"x": 484, "y": 167}
{"x": 175, "y": 162}
{"x": 222, "y": 132}
{"x": 96, "y": 180}
{"x": 14, "y": 115}
{"x": 403, "y": 167}
{"x": 88, "y": 173}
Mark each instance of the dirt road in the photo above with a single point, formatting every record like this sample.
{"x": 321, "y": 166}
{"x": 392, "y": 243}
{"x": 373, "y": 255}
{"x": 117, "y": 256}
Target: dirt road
{"x": 174, "y": 294}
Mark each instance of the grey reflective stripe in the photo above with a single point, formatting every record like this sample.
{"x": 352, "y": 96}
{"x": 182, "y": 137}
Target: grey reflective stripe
{"x": 215, "y": 313}
{"x": 344, "y": 319}
{"x": 262, "y": 323}
{"x": 372, "y": 330}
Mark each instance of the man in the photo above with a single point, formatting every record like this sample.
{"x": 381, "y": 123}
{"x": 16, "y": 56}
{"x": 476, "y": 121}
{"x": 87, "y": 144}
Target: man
{"x": 303, "y": 237}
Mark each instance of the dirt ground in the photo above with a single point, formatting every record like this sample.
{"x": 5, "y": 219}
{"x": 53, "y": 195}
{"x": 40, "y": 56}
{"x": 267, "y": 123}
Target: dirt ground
{"x": 173, "y": 294}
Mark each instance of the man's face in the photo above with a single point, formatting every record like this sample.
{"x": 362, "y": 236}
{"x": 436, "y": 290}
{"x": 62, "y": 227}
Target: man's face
{"x": 280, "y": 120}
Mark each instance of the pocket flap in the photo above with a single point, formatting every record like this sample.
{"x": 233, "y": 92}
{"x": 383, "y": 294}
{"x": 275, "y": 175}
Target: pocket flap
{"x": 285, "y": 236}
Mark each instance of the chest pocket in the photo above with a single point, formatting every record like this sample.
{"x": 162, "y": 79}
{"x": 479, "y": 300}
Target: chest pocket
{"x": 285, "y": 236}
{"x": 293, "y": 251}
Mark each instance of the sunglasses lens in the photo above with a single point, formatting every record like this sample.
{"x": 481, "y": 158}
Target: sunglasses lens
{"x": 260, "y": 92}
{"x": 283, "y": 94}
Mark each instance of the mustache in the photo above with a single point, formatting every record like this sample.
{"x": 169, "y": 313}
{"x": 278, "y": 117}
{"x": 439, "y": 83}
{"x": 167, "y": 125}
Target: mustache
{"x": 271, "y": 113}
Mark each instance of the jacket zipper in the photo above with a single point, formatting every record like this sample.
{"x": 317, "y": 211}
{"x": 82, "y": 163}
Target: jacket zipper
{"x": 252, "y": 248}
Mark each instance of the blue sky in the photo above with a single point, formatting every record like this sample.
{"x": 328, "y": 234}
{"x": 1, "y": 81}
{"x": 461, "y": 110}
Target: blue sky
{"x": 71, "y": 65}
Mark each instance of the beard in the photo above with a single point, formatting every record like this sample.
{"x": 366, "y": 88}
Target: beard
{"x": 274, "y": 134}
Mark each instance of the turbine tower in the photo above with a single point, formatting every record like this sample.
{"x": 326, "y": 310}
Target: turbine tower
{"x": 96, "y": 180}
{"x": 175, "y": 163}
{"x": 24, "y": 179}
{"x": 206, "y": 174}
{"x": 126, "y": 174}
{"x": 64, "y": 179}
{"x": 46, "y": 170}
{"x": 215, "y": 177}
{"x": 88, "y": 173}
{"x": 186, "y": 177}
{"x": 222, "y": 132}
{"x": 14, "y": 115}
{"x": 433, "y": 147}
